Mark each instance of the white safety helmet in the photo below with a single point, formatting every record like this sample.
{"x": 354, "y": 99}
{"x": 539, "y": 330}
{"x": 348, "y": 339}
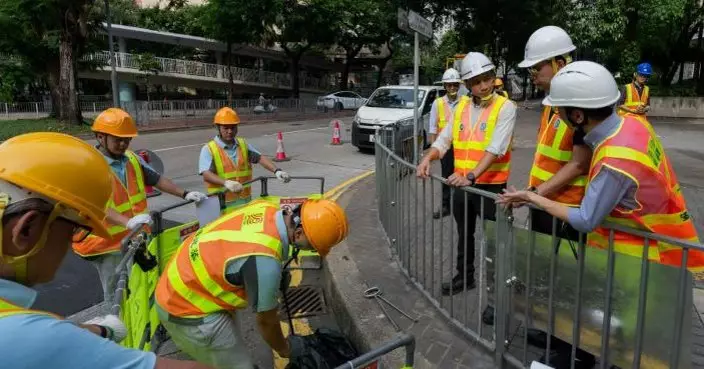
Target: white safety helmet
{"x": 475, "y": 64}
{"x": 451, "y": 76}
{"x": 545, "y": 43}
{"x": 583, "y": 84}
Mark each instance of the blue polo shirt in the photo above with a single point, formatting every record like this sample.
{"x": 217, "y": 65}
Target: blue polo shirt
{"x": 119, "y": 166}
{"x": 32, "y": 341}
{"x": 205, "y": 161}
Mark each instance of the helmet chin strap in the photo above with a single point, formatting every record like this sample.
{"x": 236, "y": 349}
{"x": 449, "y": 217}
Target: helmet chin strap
{"x": 19, "y": 263}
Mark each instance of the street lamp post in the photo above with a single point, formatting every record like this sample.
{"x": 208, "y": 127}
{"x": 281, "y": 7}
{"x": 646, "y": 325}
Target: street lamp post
{"x": 113, "y": 71}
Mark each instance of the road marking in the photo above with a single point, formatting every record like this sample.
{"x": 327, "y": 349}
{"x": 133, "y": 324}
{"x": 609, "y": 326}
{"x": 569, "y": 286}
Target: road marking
{"x": 267, "y": 135}
{"x": 301, "y": 325}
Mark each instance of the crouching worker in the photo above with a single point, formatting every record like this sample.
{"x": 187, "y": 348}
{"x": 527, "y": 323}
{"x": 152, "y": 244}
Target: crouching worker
{"x": 233, "y": 262}
{"x": 53, "y": 190}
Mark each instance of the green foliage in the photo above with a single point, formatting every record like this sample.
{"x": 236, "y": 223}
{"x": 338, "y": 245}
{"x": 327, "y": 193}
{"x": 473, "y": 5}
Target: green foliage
{"x": 14, "y": 77}
{"x": 11, "y": 128}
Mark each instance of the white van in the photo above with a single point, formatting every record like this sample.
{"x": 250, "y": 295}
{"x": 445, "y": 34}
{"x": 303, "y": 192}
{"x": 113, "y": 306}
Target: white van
{"x": 390, "y": 104}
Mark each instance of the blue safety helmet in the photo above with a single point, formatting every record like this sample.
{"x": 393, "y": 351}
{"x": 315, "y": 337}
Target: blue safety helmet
{"x": 644, "y": 69}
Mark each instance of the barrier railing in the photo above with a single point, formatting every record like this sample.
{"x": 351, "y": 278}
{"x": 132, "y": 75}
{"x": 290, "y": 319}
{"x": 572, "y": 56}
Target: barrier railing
{"x": 405, "y": 340}
{"x": 530, "y": 292}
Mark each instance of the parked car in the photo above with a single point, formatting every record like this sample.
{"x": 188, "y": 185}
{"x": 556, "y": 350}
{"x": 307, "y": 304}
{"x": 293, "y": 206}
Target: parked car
{"x": 341, "y": 100}
{"x": 391, "y": 104}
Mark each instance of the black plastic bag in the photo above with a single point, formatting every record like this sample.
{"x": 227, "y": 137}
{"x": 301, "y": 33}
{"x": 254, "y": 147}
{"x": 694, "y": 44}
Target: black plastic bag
{"x": 324, "y": 349}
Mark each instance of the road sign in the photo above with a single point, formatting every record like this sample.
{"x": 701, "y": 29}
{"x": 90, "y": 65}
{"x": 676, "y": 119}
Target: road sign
{"x": 420, "y": 24}
{"x": 403, "y": 20}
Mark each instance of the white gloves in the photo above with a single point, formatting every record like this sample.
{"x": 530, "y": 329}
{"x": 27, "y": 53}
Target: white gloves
{"x": 116, "y": 330}
{"x": 139, "y": 220}
{"x": 233, "y": 186}
{"x": 283, "y": 176}
{"x": 196, "y": 196}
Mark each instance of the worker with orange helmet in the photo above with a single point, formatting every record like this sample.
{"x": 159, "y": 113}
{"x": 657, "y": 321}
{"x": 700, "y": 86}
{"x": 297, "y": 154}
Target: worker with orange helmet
{"x": 114, "y": 130}
{"x": 235, "y": 262}
{"x": 53, "y": 189}
{"x": 499, "y": 87}
{"x": 226, "y": 161}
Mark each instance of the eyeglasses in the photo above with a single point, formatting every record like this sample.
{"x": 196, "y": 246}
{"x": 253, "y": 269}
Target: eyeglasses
{"x": 536, "y": 68}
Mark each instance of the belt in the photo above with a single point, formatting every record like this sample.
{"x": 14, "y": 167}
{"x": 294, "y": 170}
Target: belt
{"x": 185, "y": 321}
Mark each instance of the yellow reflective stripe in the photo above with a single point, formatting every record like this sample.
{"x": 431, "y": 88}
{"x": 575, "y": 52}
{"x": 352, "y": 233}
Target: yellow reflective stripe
{"x": 238, "y": 236}
{"x": 470, "y": 164}
{"x": 560, "y": 135}
{"x": 115, "y": 229}
{"x": 671, "y": 219}
{"x": 206, "y": 281}
{"x": 491, "y": 120}
{"x": 121, "y": 208}
{"x": 4, "y": 314}
{"x": 464, "y": 100}
{"x": 646, "y": 92}
{"x": 626, "y": 153}
{"x": 132, "y": 157}
{"x": 441, "y": 113}
{"x": 624, "y": 248}
{"x": 217, "y": 160}
{"x": 244, "y": 151}
{"x": 545, "y": 176}
{"x": 554, "y": 153}
{"x": 188, "y": 294}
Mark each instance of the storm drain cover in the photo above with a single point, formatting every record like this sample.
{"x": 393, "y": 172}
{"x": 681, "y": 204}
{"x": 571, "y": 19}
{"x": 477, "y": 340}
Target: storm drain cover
{"x": 304, "y": 301}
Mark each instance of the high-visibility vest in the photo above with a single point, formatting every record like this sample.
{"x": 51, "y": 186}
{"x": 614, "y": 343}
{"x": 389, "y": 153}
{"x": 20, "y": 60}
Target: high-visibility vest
{"x": 553, "y": 152}
{"x": 225, "y": 168}
{"x": 129, "y": 200}
{"x": 503, "y": 93}
{"x": 194, "y": 285}
{"x": 444, "y": 113}
{"x": 635, "y": 150}
{"x": 9, "y": 309}
{"x": 469, "y": 142}
{"x": 633, "y": 98}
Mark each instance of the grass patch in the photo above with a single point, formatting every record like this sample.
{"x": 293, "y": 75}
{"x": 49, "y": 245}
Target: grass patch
{"x": 11, "y": 128}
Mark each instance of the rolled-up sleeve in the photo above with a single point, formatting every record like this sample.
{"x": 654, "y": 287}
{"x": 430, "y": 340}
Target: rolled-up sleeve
{"x": 151, "y": 176}
{"x": 604, "y": 192}
{"x": 505, "y": 123}
{"x": 433, "y": 128}
{"x": 205, "y": 161}
{"x": 444, "y": 140}
{"x": 253, "y": 154}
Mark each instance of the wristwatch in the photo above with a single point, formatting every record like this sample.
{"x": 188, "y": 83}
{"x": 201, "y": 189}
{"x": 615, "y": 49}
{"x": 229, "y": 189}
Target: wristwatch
{"x": 471, "y": 178}
{"x": 277, "y": 170}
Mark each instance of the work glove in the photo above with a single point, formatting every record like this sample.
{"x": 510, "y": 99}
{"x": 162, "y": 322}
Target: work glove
{"x": 233, "y": 186}
{"x": 139, "y": 220}
{"x": 116, "y": 330}
{"x": 282, "y": 176}
{"x": 195, "y": 196}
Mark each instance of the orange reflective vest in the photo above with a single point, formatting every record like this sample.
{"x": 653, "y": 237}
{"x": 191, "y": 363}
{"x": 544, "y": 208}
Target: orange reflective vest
{"x": 553, "y": 152}
{"x": 194, "y": 284}
{"x": 470, "y": 141}
{"x": 444, "y": 113}
{"x": 227, "y": 169}
{"x": 9, "y": 309}
{"x": 633, "y": 98}
{"x": 128, "y": 200}
{"x": 635, "y": 150}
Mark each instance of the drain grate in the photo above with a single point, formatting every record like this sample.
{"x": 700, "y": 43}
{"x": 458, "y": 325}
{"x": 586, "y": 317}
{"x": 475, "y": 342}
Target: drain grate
{"x": 304, "y": 301}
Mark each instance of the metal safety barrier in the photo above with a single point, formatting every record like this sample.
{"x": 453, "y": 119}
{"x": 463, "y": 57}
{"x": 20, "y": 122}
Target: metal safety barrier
{"x": 405, "y": 340}
{"x": 531, "y": 290}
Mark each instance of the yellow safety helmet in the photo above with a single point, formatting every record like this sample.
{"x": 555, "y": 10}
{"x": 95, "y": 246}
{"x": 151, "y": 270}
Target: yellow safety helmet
{"x": 226, "y": 116}
{"x": 324, "y": 224}
{"x": 62, "y": 168}
{"x": 498, "y": 83}
{"x": 115, "y": 122}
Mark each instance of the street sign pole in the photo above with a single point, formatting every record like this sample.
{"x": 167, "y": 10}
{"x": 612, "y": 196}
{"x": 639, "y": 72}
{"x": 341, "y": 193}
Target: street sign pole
{"x": 113, "y": 70}
{"x": 416, "y": 113}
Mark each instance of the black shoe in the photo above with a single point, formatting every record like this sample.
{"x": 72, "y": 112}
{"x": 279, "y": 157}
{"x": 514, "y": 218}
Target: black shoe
{"x": 488, "y": 315}
{"x": 458, "y": 285}
{"x": 442, "y": 213}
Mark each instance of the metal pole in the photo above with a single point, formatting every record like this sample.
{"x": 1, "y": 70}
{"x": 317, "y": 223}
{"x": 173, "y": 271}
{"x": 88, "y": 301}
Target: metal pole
{"x": 113, "y": 71}
{"x": 416, "y": 61}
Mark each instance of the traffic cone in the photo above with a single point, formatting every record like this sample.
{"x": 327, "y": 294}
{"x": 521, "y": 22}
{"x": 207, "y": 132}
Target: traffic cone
{"x": 151, "y": 191}
{"x": 280, "y": 153}
{"x": 336, "y": 133}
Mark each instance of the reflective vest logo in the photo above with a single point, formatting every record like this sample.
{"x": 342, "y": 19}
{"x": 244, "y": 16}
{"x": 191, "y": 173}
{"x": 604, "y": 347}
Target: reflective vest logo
{"x": 556, "y": 124}
{"x": 461, "y": 127}
{"x": 684, "y": 216}
{"x": 482, "y": 127}
{"x": 250, "y": 219}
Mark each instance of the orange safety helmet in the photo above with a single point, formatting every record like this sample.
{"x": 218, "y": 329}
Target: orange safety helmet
{"x": 62, "y": 168}
{"x": 115, "y": 122}
{"x": 226, "y": 116}
{"x": 324, "y": 224}
{"x": 498, "y": 83}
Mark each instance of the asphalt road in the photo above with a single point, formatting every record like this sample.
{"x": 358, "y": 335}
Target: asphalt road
{"x": 307, "y": 144}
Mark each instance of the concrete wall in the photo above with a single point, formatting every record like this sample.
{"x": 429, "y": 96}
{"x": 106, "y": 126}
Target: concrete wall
{"x": 677, "y": 107}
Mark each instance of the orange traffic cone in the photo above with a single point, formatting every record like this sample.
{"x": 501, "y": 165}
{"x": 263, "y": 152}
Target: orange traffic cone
{"x": 280, "y": 153}
{"x": 336, "y": 133}
{"x": 151, "y": 191}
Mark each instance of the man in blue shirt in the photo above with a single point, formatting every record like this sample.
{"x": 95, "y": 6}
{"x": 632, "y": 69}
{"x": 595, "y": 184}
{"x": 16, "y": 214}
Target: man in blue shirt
{"x": 53, "y": 190}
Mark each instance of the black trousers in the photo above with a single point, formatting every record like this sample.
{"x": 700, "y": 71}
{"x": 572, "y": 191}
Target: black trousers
{"x": 472, "y": 204}
{"x": 447, "y": 165}
{"x": 542, "y": 222}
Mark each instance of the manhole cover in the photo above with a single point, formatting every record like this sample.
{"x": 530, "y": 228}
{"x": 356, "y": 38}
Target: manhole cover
{"x": 304, "y": 301}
